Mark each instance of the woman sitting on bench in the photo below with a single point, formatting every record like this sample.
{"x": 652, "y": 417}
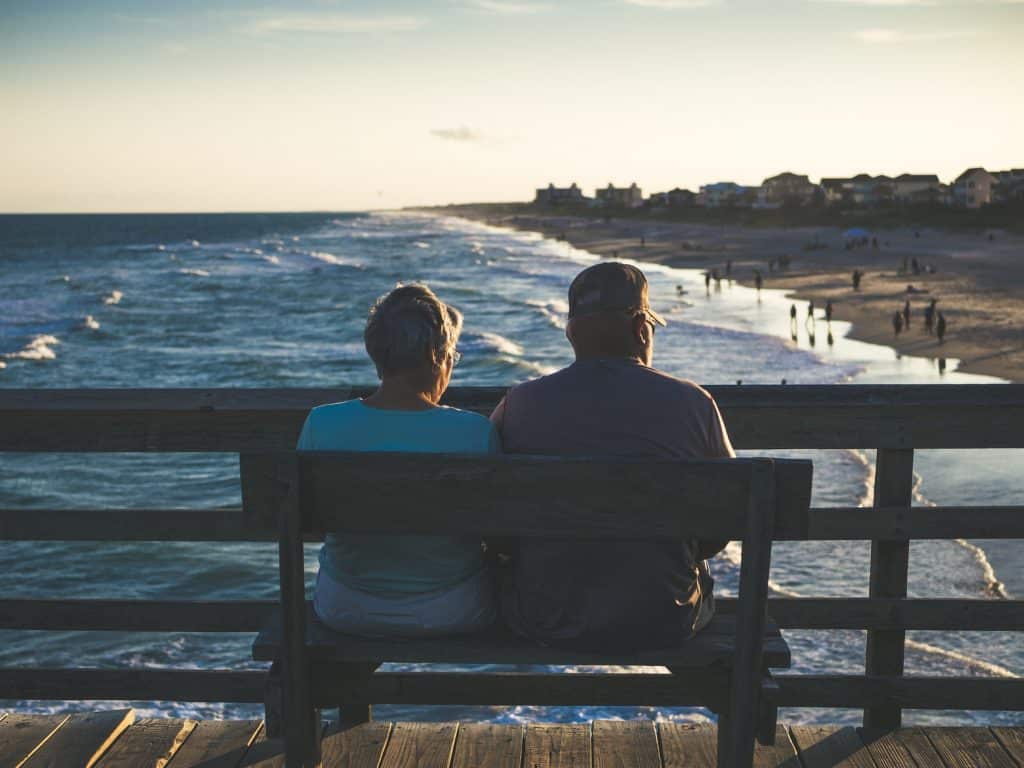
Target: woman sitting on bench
{"x": 410, "y": 586}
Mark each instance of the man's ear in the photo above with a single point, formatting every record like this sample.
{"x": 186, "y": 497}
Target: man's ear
{"x": 640, "y": 329}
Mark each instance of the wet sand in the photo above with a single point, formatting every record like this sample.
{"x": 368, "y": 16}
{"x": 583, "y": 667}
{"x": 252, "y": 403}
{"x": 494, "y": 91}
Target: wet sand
{"x": 978, "y": 282}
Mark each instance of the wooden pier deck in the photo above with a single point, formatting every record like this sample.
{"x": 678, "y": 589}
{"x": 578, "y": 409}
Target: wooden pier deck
{"x": 119, "y": 739}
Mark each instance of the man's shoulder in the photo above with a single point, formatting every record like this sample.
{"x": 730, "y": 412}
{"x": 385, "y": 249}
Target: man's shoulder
{"x": 672, "y": 385}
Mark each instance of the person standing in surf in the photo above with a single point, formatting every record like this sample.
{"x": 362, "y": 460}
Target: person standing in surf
{"x": 599, "y": 594}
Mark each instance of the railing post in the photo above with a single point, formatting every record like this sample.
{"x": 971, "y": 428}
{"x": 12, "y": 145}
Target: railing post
{"x": 894, "y": 485}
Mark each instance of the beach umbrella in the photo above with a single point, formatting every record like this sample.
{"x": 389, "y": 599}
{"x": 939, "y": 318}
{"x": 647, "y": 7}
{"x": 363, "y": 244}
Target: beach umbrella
{"x": 856, "y": 233}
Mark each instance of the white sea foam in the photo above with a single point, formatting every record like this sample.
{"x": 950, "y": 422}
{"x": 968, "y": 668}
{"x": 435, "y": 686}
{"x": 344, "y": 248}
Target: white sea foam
{"x": 40, "y": 348}
{"x": 555, "y": 311}
{"x": 194, "y": 243}
{"x": 493, "y": 342}
{"x": 271, "y": 258}
{"x": 89, "y": 323}
{"x": 979, "y": 664}
{"x": 328, "y": 258}
{"x": 114, "y": 298}
{"x": 421, "y": 244}
{"x": 194, "y": 272}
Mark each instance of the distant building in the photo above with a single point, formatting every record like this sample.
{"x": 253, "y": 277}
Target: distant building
{"x": 681, "y": 198}
{"x": 1011, "y": 185}
{"x": 974, "y": 188}
{"x": 916, "y": 189}
{"x": 620, "y": 197}
{"x": 837, "y": 190}
{"x": 788, "y": 189}
{"x": 728, "y": 194}
{"x": 552, "y": 195}
{"x": 869, "y": 190}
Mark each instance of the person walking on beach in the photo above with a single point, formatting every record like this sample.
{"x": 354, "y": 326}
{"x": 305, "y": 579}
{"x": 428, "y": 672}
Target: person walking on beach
{"x": 828, "y": 312}
{"x": 707, "y": 282}
{"x": 792, "y": 321}
{"x": 857, "y": 275}
{"x": 906, "y": 314}
{"x": 929, "y": 317}
{"x": 897, "y": 323}
{"x": 758, "y": 279}
{"x": 611, "y": 401}
{"x": 940, "y": 327}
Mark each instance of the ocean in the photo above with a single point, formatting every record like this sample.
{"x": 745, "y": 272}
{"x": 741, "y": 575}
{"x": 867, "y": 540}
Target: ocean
{"x": 280, "y": 300}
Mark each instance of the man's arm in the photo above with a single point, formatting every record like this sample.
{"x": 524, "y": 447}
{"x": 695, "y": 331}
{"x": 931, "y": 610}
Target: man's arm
{"x": 719, "y": 447}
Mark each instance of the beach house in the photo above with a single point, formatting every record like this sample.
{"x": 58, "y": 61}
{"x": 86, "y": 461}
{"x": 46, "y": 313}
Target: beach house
{"x": 974, "y": 188}
{"x": 620, "y": 197}
{"x": 674, "y": 198}
{"x": 1011, "y": 185}
{"x": 552, "y": 195}
{"x": 789, "y": 189}
{"x": 837, "y": 190}
{"x": 728, "y": 194}
{"x": 916, "y": 189}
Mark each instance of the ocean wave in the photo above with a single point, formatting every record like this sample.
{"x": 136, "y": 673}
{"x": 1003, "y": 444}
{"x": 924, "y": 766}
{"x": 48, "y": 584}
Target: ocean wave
{"x": 486, "y": 341}
{"x": 88, "y": 323}
{"x": 194, "y": 272}
{"x": 555, "y": 311}
{"x": 114, "y": 298}
{"x": 40, "y": 348}
{"x": 421, "y": 244}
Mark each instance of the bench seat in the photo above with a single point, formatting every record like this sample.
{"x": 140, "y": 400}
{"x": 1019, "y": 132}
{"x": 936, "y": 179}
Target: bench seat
{"x": 715, "y": 644}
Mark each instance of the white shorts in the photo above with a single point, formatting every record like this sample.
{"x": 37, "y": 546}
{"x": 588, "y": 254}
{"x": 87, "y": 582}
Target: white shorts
{"x": 467, "y": 607}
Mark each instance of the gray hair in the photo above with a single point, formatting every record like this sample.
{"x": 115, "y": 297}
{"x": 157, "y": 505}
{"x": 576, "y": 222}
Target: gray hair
{"x": 409, "y": 327}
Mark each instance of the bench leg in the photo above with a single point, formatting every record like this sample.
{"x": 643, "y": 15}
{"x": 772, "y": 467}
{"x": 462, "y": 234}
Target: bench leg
{"x": 354, "y": 707}
{"x": 725, "y": 738}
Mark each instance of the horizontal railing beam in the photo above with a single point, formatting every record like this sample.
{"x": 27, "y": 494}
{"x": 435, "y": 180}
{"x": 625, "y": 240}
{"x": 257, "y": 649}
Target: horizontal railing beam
{"x": 841, "y": 691}
{"x": 230, "y": 524}
{"x": 811, "y": 613}
{"x": 206, "y": 685}
{"x": 758, "y": 417}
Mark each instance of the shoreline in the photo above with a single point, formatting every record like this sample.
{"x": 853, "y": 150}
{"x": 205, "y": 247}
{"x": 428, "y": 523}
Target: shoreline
{"x": 979, "y": 283}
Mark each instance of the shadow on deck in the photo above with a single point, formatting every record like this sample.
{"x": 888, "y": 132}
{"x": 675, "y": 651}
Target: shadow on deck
{"x": 117, "y": 739}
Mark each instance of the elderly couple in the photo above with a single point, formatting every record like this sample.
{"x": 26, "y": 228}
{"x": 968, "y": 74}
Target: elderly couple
{"x": 587, "y": 594}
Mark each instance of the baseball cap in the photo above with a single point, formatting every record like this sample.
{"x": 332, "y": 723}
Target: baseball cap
{"x": 610, "y": 286}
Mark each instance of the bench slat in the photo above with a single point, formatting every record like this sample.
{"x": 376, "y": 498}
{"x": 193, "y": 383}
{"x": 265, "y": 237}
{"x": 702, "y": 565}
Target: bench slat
{"x": 508, "y": 495}
{"x": 714, "y": 644}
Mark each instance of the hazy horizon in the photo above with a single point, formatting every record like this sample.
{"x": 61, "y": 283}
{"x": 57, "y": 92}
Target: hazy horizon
{"x": 347, "y": 106}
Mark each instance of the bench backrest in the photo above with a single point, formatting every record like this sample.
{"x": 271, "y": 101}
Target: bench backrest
{"x": 571, "y": 497}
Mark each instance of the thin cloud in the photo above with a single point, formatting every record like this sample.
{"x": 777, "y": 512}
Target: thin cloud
{"x": 461, "y": 133}
{"x": 887, "y": 36}
{"x": 333, "y": 22}
{"x": 506, "y": 8}
{"x": 671, "y": 5}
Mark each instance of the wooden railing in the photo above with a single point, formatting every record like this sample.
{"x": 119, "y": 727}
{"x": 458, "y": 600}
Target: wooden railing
{"x": 894, "y": 420}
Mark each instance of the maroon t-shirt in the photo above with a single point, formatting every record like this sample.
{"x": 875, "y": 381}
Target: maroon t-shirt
{"x": 600, "y": 593}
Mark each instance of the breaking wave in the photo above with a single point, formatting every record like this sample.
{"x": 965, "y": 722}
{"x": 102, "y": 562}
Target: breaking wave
{"x": 40, "y": 348}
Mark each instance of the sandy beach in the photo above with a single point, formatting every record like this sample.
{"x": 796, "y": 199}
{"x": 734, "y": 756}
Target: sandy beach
{"x": 976, "y": 278}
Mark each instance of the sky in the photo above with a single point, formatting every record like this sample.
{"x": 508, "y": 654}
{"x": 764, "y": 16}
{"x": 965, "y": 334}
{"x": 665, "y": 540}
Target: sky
{"x": 185, "y": 105}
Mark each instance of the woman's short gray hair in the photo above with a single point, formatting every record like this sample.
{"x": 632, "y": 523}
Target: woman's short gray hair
{"x": 409, "y": 327}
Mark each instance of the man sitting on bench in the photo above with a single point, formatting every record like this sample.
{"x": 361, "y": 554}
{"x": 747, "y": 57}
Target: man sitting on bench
{"x": 600, "y": 594}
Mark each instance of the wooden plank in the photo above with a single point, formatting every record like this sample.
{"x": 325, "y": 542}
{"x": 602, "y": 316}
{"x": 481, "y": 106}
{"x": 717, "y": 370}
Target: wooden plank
{"x": 211, "y": 685}
{"x": 694, "y": 746}
{"x": 547, "y": 496}
{"x": 137, "y": 615}
{"x": 240, "y": 420}
{"x": 264, "y": 753}
{"x": 830, "y": 746}
{"x": 216, "y": 744}
{"x": 961, "y": 693}
{"x": 82, "y": 740}
{"x": 890, "y": 613}
{"x": 895, "y": 747}
{"x": 150, "y": 741}
{"x": 626, "y": 744}
{"x": 128, "y": 525}
{"x": 486, "y": 745}
{"x": 894, "y": 486}
{"x": 359, "y": 747}
{"x": 20, "y": 735}
{"x": 420, "y": 745}
{"x": 557, "y": 746}
{"x": 1012, "y": 740}
{"x": 969, "y": 748}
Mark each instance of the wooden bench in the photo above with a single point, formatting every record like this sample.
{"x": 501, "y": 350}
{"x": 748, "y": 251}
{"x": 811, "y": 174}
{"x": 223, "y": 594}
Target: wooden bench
{"x": 725, "y": 667}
